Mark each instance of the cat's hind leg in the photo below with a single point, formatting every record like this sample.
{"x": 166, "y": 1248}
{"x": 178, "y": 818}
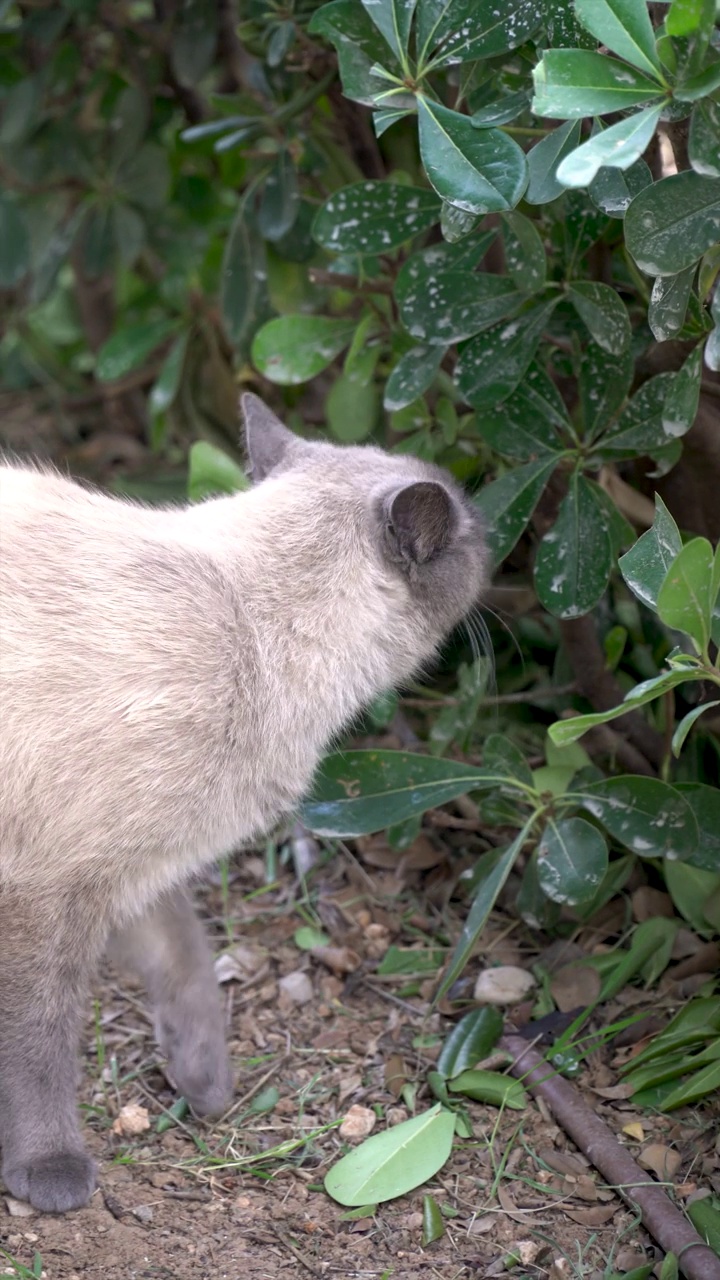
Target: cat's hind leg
{"x": 168, "y": 949}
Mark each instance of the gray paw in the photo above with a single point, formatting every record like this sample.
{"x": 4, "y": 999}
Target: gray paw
{"x": 53, "y": 1184}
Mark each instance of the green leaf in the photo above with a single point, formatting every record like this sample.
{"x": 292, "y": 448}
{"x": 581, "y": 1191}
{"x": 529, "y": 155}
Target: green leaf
{"x": 128, "y": 232}
{"x": 625, "y": 27}
{"x": 492, "y": 364}
{"x": 640, "y": 428}
{"x": 292, "y": 349}
{"x": 460, "y": 30}
{"x": 692, "y": 891}
{"x": 359, "y": 46}
{"x": 456, "y": 224}
{"x": 673, "y": 223}
{"x": 129, "y": 121}
{"x": 167, "y": 383}
{"x": 383, "y": 119}
{"x": 212, "y": 472}
{"x": 508, "y": 503}
{"x": 392, "y": 1163}
{"x": 502, "y": 111}
{"x": 144, "y": 178}
{"x": 194, "y": 39}
{"x": 393, "y": 18}
{"x": 619, "y": 147}
{"x": 604, "y": 314}
{"x": 14, "y": 244}
{"x": 683, "y": 396}
{"x": 613, "y": 189}
{"x": 705, "y": 804}
{"x": 500, "y": 863}
{"x": 351, "y": 406}
{"x": 704, "y": 140}
{"x": 544, "y": 160}
{"x": 412, "y": 375}
{"x": 471, "y": 1039}
{"x": 685, "y": 600}
{"x": 524, "y": 252}
{"x": 130, "y": 347}
{"x": 359, "y": 792}
{"x": 575, "y": 558}
{"x": 572, "y": 83}
{"x": 646, "y": 815}
{"x": 307, "y": 937}
{"x": 699, "y": 86}
{"x": 644, "y": 567}
{"x": 685, "y": 16}
{"x": 669, "y": 302}
{"x": 433, "y": 1223}
{"x": 492, "y": 1087}
{"x": 531, "y": 422}
{"x": 605, "y": 381}
{"x": 572, "y": 861}
{"x": 480, "y": 171}
{"x": 441, "y": 304}
{"x": 686, "y": 724}
{"x": 280, "y": 202}
{"x": 565, "y": 731}
{"x": 374, "y": 217}
{"x": 243, "y": 279}
{"x": 503, "y": 758}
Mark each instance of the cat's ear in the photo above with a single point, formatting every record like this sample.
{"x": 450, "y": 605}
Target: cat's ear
{"x": 266, "y": 439}
{"x": 420, "y": 521}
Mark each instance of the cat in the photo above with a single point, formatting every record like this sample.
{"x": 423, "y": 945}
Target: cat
{"x": 169, "y": 680}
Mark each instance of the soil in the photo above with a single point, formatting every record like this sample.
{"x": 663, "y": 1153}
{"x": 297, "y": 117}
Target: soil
{"x": 202, "y": 1202}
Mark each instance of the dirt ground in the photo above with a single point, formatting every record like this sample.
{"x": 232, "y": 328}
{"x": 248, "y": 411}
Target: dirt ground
{"x": 204, "y": 1202}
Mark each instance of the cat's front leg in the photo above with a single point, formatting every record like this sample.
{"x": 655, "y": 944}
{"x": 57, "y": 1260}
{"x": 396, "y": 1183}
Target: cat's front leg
{"x": 47, "y": 952}
{"x": 168, "y": 949}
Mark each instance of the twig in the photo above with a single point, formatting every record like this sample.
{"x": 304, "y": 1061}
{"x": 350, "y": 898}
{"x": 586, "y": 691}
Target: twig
{"x": 596, "y": 1140}
{"x": 288, "y": 1244}
{"x": 340, "y": 280}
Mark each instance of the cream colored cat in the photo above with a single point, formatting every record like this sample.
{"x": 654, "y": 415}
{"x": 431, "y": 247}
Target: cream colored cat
{"x": 169, "y": 679}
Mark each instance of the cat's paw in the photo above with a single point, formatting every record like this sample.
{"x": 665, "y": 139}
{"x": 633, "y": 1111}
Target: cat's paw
{"x": 52, "y": 1184}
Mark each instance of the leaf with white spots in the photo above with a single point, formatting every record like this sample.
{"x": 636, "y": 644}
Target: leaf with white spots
{"x": 639, "y": 429}
{"x": 575, "y": 558}
{"x": 450, "y": 305}
{"x": 572, "y": 861}
{"x": 618, "y": 147}
{"x": 359, "y": 47}
{"x": 524, "y": 252}
{"x": 669, "y": 303}
{"x": 573, "y": 83}
{"x": 613, "y": 189}
{"x": 605, "y": 381}
{"x": 508, "y": 503}
{"x": 646, "y": 815}
{"x": 544, "y": 159}
{"x": 532, "y": 421}
{"x": 451, "y": 31}
{"x": 479, "y": 170}
{"x": 644, "y": 567}
{"x": 494, "y": 363}
{"x": 412, "y": 375}
{"x": 674, "y": 222}
{"x": 292, "y": 349}
{"x": 374, "y": 217}
{"x": 704, "y": 140}
{"x": 603, "y": 312}
{"x": 683, "y": 396}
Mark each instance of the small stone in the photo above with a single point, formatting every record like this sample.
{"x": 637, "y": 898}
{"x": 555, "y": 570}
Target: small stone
{"x": 358, "y": 1123}
{"x": 503, "y": 986}
{"x": 297, "y": 987}
{"x": 18, "y": 1208}
{"x": 143, "y": 1213}
{"x": 131, "y": 1120}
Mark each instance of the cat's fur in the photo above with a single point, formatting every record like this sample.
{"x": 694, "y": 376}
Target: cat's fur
{"x": 169, "y": 679}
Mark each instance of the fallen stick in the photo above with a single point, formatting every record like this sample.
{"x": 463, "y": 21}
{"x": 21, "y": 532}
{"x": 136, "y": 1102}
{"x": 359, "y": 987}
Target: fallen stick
{"x": 659, "y": 1215}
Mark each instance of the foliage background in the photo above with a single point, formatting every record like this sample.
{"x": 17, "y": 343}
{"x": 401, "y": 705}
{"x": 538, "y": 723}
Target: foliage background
{"x": 486, "y": 233}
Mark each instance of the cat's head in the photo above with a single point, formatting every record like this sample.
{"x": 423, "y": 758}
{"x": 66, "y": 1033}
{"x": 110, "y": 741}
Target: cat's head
{"x": 411, "y": 515}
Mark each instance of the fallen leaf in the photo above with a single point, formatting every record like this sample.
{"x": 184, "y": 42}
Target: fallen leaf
{"x": 596, "y": 1216}
{"x": 575, "y": 986}
{"x": 131, "y": 1119}
{"x": 648, "y": 902}
{"x": 296, "y": 987}
{"x": 563, "y": 1161}
{"x": 505, "y": 985}
{"x": 628, "y": 1259}
{"x": 635, "y": 1131}
{"x": 347, "y": 1086}
{"x": 663, "y": 1161}
{"x": 395, "y": 1074}
{"x": 358, "y": 1123}
{"x": 340, "y": 960}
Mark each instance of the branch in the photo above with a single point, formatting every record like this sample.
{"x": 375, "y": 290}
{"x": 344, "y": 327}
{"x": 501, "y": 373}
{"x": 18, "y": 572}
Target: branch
{"x": 596, "y": 1140}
